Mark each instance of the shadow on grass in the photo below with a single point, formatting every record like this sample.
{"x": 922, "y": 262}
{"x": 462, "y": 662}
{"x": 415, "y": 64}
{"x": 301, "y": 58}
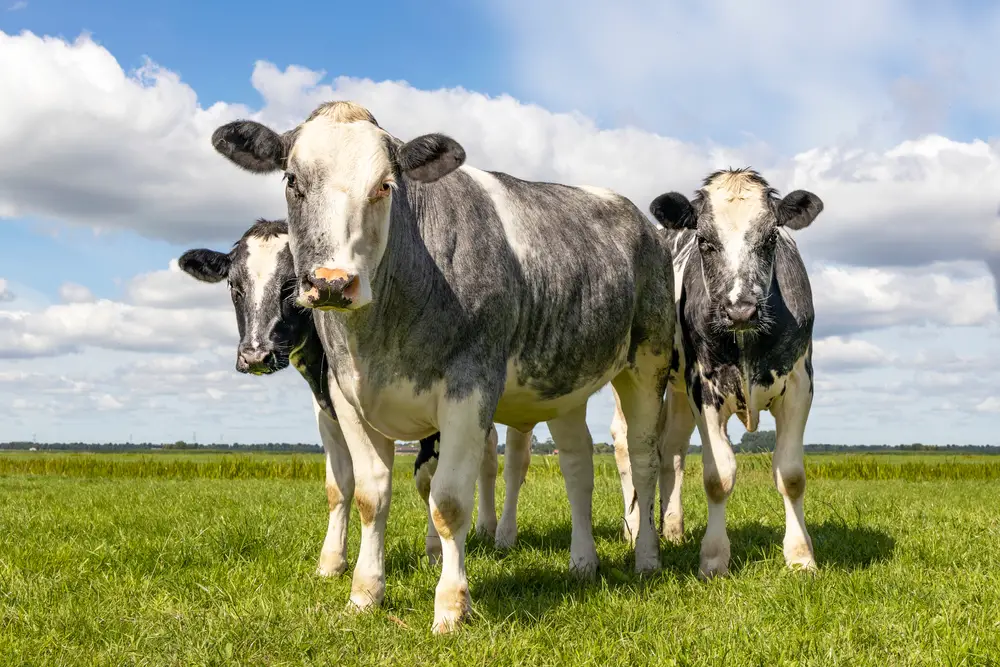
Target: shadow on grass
{"x": 524, "y": 593}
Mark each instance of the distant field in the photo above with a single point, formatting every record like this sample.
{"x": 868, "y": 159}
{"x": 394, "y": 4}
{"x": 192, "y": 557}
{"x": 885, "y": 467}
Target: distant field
{"x": 202, "y": 558}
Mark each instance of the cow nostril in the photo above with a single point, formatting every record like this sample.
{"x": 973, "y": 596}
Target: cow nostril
{"x": 741, "y": 313}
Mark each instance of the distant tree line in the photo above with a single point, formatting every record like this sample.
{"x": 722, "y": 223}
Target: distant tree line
{"x": 759, "y": 442}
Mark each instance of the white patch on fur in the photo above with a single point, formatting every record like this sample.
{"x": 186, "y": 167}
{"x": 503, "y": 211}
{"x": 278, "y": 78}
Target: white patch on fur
{"x": 603, "y": 193}
{"x": 505, "y": 209}
{"x": 736, "y": 202}
{"x": 262, "y": 262}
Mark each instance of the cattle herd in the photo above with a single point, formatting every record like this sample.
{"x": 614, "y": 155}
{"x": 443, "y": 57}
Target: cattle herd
{"x": 421, "y": 298}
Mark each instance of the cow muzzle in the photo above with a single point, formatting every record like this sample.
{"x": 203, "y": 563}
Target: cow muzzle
{"x": 331, "y": 289}
{"x": 256, "y": 360}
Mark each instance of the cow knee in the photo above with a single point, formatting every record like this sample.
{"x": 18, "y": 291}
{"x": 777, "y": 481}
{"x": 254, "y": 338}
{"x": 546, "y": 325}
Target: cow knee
{"x": 719, "y": 482}
{"x": 448, "y": 516}
{"x": 422, "y": 478}
{"x": 334, "y": 497}
{"x": 790, "y": 480}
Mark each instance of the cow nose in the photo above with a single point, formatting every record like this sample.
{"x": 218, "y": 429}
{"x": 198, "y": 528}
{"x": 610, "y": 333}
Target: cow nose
{"x": 253, "y": 359}
{"x": 741, "y": 313}
{"x": 328, "y": 288}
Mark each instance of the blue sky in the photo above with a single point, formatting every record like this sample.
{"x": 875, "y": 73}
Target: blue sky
{"x": 888, "y": 111}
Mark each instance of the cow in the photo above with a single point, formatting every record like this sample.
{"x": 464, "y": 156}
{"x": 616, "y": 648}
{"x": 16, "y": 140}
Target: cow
{"x": 450, "y": 298}
{"x": 743, "y": 344}
{"x": 275, "y": 332}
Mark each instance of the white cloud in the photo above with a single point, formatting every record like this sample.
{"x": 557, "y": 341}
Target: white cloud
{"x": 5, "y": 293}
{"x": 173, "y": 288}
{"x": 991, "y": 404}
{"x": 18, "y": 6}
{"x": 73, "y": 293}
{"x": 794, "y": 74}
{"x": 840, "y": 354}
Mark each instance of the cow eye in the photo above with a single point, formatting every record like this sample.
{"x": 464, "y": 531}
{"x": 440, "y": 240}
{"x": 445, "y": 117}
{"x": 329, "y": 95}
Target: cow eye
{"x": 292, "y": 183}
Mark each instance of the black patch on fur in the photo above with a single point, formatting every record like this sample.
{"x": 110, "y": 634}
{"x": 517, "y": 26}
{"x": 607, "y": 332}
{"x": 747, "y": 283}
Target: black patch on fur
{"x": 428, "y": 451}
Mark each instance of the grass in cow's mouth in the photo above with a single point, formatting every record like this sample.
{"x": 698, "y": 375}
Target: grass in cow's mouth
{"x": 208, "y": 559}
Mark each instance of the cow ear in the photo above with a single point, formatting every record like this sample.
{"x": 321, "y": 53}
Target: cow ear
{"x": 798, "y": 209}
{"x": 252, "y": 146}
{"x": 674, "y": 211}
{"x": 430, "y": 157}
{"x": 206, "y": 265}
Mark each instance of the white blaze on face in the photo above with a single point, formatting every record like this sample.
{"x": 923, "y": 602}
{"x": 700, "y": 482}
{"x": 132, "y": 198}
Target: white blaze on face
{"x": 344, "y": 165}
{"x": 736, "y": 203}
{"x": 262, "y": 264}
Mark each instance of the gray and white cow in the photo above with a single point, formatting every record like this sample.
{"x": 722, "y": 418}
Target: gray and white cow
{"x": 452, "y": 297}
{"x": 744, "y": 344}
{"x": 275, "y": 331}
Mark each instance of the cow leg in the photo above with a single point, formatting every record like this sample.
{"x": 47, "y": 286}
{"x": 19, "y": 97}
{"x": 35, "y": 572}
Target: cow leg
{"x": 422, "y": 478}
{"x": 639, "y": 395}
{"x": 373, "y": 455}
{"x": 452, "y": 491}
{"x": 619, "y": 435}
{"x": 719, "y": 476}
{"x": 516, "y": 457}
{"x": 674, "y": 443}
{"x": 486, "y": 521}
{"x": 790, "y": 416}
{"x": 339, "y": 490}
{"x": 576, "y": 459}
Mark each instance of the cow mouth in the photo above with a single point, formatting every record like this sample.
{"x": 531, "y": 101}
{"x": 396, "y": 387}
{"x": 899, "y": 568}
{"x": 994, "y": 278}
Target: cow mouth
{"x": 272, "y": 363}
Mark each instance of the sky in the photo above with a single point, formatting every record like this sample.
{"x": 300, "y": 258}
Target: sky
{"x": 888, "y": 111}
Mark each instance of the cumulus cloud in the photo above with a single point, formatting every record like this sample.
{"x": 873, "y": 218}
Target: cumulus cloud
{"x": 173, "y": 288}
{"x": 73, "y": 293}
{"x": 5, "y": 293}
{"x": 838, "y": 354}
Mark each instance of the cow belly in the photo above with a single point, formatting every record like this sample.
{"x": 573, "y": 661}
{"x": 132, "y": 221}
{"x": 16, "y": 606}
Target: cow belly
{"x": 521, "y": 407}
{"x": 397, "y": 411}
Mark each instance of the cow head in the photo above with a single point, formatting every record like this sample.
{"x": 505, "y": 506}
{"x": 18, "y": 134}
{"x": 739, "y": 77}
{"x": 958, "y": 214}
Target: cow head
{"x": 262, "y": 281}
{"x": 341, "y": 172}
{"x": 736, "y": 216}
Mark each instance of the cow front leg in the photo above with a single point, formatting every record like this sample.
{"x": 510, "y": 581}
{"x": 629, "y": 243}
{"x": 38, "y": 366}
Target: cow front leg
{"x": 576, "y": 459}
{"x": 516, "y": 458}
{"x": 674, "y": 444}
{"x": 619, "y": 436}
{"x": 486, "y": 520}
{"x": 790, "y": 415}
{"x": 339, "y": 491}
{"x": 452, "y": 490}
{"x": 719, "y": 478}
{"x": 372, "y": 454}
{"x": 639, "y": 394}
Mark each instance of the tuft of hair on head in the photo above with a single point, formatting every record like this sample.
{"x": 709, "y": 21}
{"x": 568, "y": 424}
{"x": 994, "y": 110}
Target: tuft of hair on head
{"x": 343, "y": 111}
{"x": 266, "y": 229}
{"x": 738, "y": 182}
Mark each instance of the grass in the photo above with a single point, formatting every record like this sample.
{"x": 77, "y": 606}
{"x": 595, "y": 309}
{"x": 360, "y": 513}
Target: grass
{"x": 179, "y": 559}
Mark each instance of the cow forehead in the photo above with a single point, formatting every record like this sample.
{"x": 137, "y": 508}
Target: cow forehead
{"x": 736, "y": 203}
{"x": 263, "y": 259}
{"x": 354, "y": 150}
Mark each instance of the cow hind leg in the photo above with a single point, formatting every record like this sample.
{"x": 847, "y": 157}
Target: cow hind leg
{"x": 486, "y": 520}
{"x": 339, "y": 491}
{"x": 451, "y": 499}
{"x": 576, "y": 459}
{"x": 674, "y": 443}
{"x": 719, "y": 478}
{"x": 517, "y": 457}
{"x": 422, "y": 479}
{"x": 789, "y": 469}
{"x": 639, "y": 395}
{"x": 619, "y": 435}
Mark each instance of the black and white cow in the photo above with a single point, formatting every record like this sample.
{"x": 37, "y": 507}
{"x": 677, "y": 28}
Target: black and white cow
{"x": 744, "y": 344}
{"x": 452, "y": 297}
{"x": 275, "y": 331}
